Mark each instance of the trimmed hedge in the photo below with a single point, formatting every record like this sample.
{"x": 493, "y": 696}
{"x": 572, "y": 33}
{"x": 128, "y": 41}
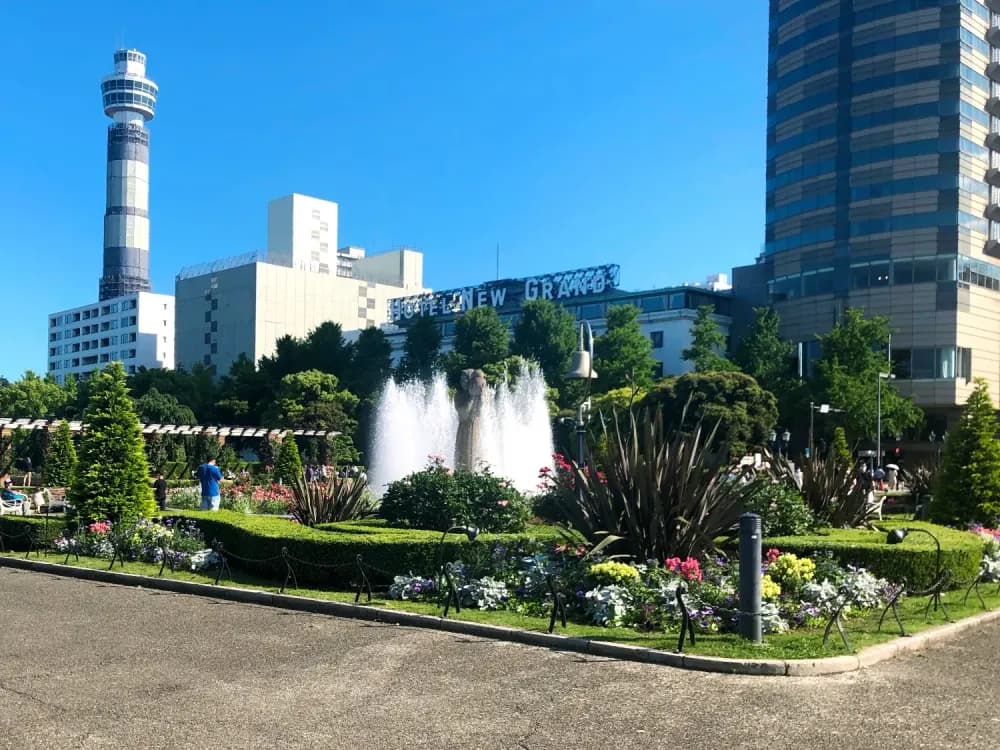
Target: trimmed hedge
{"x": 17, "y": 531}
{"x": 912, "y": 560}
{"x": 388, "y": 551}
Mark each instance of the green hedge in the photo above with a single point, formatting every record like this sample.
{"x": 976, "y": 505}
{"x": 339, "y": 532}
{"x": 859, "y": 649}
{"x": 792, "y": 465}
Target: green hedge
{"x": 912, "y": 560}
{"x": 389, "y": 551}
{"x": 17, "y": 531}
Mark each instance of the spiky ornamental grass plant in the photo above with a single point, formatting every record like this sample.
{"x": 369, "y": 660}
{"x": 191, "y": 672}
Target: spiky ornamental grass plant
{"x": 337, "y": 499}
{"x": 60, "y": 458}
{"x": 835, "y": 492}
{"x": 112, "y": 477}
{"x": 665, "y": 495}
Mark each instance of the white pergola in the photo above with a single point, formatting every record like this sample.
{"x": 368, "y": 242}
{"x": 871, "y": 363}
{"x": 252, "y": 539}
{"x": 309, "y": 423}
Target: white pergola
{"x": 8, "y": 423}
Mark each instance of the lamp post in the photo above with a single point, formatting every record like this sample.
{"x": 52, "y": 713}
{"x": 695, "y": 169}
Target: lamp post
{"x": 582, "y": 367}
{"x": 822, "y": 409}
{"x": 444, "y": 577}
{"x": 878, "y": 437}
{"x": 786, "y": 438}
{"x": 898, "y": 535}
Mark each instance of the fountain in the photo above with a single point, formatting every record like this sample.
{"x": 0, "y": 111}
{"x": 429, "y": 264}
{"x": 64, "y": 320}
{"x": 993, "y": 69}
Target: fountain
{"x": 505, "y": 428}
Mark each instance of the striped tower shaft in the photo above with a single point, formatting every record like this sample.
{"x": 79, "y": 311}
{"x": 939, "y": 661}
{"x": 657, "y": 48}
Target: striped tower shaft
{"x": 129, "y": 98}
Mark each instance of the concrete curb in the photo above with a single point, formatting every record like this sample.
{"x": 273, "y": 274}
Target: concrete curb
{"x": 763, "y": 667}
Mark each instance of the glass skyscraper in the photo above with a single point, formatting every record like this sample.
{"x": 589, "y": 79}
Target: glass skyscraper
{"x": 883, "y": 182}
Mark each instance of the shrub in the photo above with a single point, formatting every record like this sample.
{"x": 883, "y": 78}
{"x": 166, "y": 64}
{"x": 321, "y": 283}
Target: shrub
{"x": 914, "y": 560}
{"x": 289, "y": 465}
{"x": 437, "y": 498}
{"x": 835, "y": 493}
{"x": 388, "y": 551}
{"x": 185, "y": 498}
{"x": 112, "y": 479}
{"x": 337, "y": 499}
{"x": 60, "y": 458}
{"x": 665, "y": 494}
{"x": 18, "y": 532}
{"x": 781, "y": 508}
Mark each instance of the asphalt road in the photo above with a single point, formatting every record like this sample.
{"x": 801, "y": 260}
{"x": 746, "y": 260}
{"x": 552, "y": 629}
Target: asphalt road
{"x": 90, "y": 665}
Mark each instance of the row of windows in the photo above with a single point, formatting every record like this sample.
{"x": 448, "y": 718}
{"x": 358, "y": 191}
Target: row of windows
{"x": 931, "y": 219}
{"x": 934, "y": 73}
{"x": 815, "y": 31}
{"x": 93, "y": 312}
{"x": 937, "y": 363}
{"x": 140, "y": 99}
{"x": 128, "y": 84}
{"x": 93, "y": 359}
{"x": 130, "y": 56}
{"x": 884, "y": 46}
{"x": 881, "y": 273}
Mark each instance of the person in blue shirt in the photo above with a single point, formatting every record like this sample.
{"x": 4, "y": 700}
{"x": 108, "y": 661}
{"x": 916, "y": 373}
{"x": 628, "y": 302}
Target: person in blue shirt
{"x": 8, "y": 495}
{"x": 209, "y": 476}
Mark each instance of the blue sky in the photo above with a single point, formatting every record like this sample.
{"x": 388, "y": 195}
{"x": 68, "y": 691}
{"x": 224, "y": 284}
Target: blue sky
{"x": 571, "y": 133}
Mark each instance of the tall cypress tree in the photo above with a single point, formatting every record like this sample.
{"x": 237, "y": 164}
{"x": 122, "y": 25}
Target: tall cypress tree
{"x": 289, "y": 465}
{"x": 60, "y": 458}
{"x": 112, "y": 478}
{"x": 968, "y": 485}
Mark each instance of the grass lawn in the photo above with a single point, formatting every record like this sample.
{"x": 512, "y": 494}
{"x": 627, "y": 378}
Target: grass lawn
{"x": 795, "y": 644}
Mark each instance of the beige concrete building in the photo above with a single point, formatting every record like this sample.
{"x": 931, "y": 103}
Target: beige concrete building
{"x": 243, "y": 305}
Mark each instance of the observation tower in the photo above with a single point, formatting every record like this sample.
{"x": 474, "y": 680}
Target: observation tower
{"x": 130, "y": 101}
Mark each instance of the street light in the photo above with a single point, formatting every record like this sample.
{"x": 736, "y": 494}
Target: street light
{"x": 878, "y": 438}
{"x": 444, "y": 576}
{"x": 582, "y": 368}
{"x": 822, "y": 409}
{"x": 898, "y": 535}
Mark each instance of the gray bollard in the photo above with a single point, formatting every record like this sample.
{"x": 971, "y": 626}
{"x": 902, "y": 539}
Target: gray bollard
{"x": 750, "y": 577}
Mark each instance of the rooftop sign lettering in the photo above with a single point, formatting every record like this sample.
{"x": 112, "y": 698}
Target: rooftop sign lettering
{"x": 507, "y": 293}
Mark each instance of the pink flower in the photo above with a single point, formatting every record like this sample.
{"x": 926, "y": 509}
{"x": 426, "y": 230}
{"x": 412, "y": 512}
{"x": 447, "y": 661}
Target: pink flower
{"x": 772, "y": 555}
{"x": 503, "y": 503}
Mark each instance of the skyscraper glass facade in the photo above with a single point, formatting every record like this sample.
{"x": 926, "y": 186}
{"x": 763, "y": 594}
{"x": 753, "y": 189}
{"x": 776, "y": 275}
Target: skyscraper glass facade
{"x": 883, "y": 180}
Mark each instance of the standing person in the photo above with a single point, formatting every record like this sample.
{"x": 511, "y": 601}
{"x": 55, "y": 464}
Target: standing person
{"x": 160, "y": 490}
{"x": 209, "y": 476}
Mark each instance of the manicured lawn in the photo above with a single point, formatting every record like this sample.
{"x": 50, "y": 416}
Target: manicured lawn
{"x": 796, "y": 644}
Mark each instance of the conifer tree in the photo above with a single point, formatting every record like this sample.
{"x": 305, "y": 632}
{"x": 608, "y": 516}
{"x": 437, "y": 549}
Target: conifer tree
{"x": 289, "y": 465}
{"x": 968, "y": 484}
{"x": 112, "y": 477}
{"x": 60, "y": 458}
{"x": 841, "y": 451}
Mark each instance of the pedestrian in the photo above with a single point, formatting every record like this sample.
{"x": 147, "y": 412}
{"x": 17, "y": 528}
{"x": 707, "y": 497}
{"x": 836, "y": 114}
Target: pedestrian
{"x": 209, "y": 476}
{"x": 160, "y": 490}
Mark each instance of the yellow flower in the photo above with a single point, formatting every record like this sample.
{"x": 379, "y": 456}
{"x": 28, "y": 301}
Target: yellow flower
{"x": 612, "y": 572}
{"x": 769, "y": 589}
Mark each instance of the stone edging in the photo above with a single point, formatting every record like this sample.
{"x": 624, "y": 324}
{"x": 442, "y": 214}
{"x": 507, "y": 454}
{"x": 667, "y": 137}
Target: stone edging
{"x": 771, "y": 667}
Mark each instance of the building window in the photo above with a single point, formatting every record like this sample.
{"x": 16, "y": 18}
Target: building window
{"x": 657, "y": 371}
{"x": 678, "y": 301}
{"x": 215, "y": 304}
{"x": 208, "y": 338}
{"x": 214, "y": 348}
{"x": 207, "y": 360}
{"x": 655, "y": 303}
{"x": 214, "y": 326}
{"x": 208, "y": 316}
{"x": 656, "y": 338}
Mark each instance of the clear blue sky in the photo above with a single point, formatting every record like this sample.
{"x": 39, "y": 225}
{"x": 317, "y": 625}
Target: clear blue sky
{"x": 571, "y": 133}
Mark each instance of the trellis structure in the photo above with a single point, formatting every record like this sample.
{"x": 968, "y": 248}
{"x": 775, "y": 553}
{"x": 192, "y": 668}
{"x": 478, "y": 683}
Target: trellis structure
{"x": 222, "y": 431}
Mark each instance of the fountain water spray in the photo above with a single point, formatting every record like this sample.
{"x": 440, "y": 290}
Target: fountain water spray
{"x": 417, "y": 420}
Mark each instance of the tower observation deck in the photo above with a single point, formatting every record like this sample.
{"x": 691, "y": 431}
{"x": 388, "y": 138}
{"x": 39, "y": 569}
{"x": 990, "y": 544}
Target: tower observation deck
{"x": 130, "y": 101}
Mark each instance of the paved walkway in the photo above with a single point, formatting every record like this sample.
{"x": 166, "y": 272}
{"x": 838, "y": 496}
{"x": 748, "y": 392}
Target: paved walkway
{"x": 89, "y": 665}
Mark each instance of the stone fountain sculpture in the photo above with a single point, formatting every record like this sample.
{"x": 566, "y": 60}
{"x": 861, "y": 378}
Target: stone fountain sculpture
{"x": 469, "y": 405}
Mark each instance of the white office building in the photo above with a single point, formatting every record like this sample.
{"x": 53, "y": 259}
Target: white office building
{"x": 244, "y": 304}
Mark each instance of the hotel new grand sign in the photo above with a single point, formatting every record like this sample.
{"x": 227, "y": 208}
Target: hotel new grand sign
{"x": 508, "y": 293}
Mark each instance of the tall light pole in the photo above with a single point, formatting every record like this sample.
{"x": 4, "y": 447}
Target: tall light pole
{"x": 822, "y": 409}
{"x": 582, "y": 367}
{"x": 878, "y": 437}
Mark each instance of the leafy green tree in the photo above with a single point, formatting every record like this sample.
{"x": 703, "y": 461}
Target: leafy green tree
{"x": 371, "y": 363}
{"x": 112, "y": 477}
{"x": 242, "y": 392}
{"x": 421, "y": 350}
{"x": 326, "y": 350}
{"x": 707, "y": 344}
{"x": 841, "y": 450}
{"x": 746, "y": 413}
{"x": 481, "y": 339}
{"x": 163, "y": 408}
{"x": 60, "y": 459}
{"x": 847, "y": 376}
{"x": 968, "y": 483}
{"x": 313, "y": 400}
{"x": 623, "y": 354}
{"x": 546, "y": 333}
{"x": 195, "y": 389}
{"x": 32, "y": 396}
{"x": 289, "y": 466}
{"x": 764, "y": 355}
